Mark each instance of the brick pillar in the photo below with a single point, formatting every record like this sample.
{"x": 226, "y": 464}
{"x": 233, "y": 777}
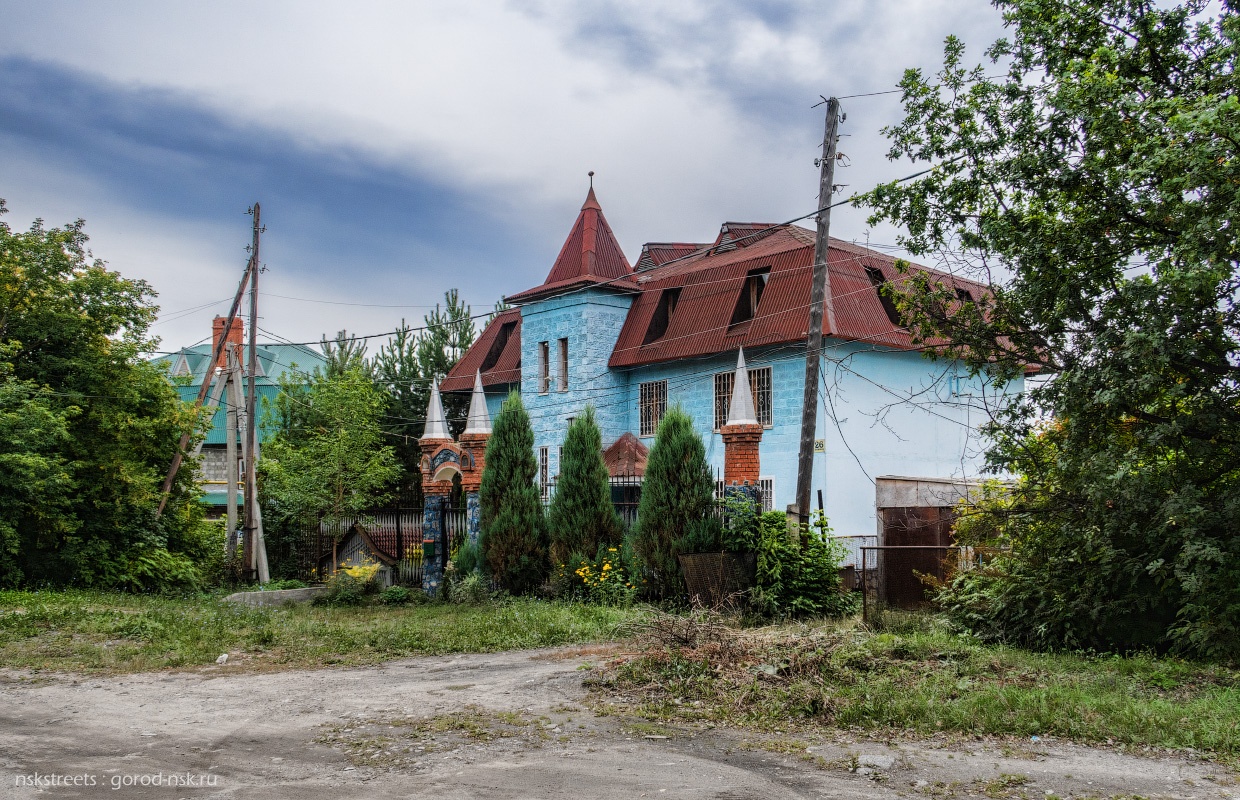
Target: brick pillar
{"x": 235, "y": 336}
{"x": 475, "y": 444}
{"x": 740, "y": 453}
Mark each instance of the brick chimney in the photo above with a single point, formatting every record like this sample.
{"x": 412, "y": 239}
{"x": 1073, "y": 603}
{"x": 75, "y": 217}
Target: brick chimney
{"x": 235, "y": 336}
{"x": 742, "y": 434}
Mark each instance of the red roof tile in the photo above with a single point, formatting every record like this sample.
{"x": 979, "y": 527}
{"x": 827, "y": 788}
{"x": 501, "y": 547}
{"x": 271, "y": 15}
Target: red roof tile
{"x": 710, "y": 284}
{"x": 626, "y": 458}
{"x": 496, "y": 352}
{"x": 591, "y": 254}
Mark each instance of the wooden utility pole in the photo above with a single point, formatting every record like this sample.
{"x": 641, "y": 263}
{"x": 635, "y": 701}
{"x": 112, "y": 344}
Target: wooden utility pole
{"x": 253, "y": 530}
{"x": 179, "y": 455}
{"x": 820, "y": 297}
{"x": 233, "y": 471}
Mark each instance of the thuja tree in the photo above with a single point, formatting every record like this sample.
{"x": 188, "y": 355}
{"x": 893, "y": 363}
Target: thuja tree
{"x": 582, "y": 516}
{"x": 513, "y": 536}
{"x": 676, "y": 491}
{"x": 1100, "y": 177}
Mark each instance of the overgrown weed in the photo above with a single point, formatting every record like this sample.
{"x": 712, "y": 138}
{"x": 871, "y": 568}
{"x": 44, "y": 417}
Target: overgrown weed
{"x": 922, "y": 679}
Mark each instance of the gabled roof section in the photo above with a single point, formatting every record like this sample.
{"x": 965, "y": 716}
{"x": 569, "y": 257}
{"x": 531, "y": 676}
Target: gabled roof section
{"x": 496, "y": 354}
{"x": 590, "y": 255}
{"x": 711, "y": 283}
{"x": 656, "y": 254}
{"x": 273, "y": 362}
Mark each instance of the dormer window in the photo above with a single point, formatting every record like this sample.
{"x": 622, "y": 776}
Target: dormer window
{"x": 662, "y": 315}
{"x": 963, "y": 295}
{"x": 180, "y": 367}
{"x": 878, "y": 281}
{"x": 751, "y": 294}
{"x": 497, "y": 345}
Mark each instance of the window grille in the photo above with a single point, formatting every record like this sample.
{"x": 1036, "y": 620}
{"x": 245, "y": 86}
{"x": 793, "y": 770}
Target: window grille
{"x": 652, "y": 405}
{"x": 759, "y": 384}
{"x": 544, "y": 482}
{"x": 563, "y": 376}
{"x": 544, "y": 367}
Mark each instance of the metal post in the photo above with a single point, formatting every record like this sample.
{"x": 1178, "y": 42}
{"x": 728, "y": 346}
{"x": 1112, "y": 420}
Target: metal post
{"x": 820, "y": 297}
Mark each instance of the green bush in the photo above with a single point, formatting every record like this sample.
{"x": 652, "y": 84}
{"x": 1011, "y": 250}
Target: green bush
{"x": 514, "y": 533}
{"x": 351, "y": 586}
{"x": 799, "y": 579}
{"x": 286, "y": 583}
{"x": 676, "y": 492}
{"x": 471, "y": 590}
{"x": 604, "y": 580}
{"x": 582, "y": 518}
{"x": 468, "y": 559}
{"x": 154, "y": 569}
{"x": 395, "y": 596}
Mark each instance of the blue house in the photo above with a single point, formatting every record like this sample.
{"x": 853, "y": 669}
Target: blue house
{"x": 190, "y": 366}
{"x": 635, "y": 340}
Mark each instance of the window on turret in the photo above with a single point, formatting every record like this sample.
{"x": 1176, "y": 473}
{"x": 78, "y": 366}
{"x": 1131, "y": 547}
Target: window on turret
{"x": 751, "y": 295}
{"x": 562, "y": 377}
{"x": 544, "y": 367}
{"x": 662, "y": 315}
{"x": 878, "y": 281}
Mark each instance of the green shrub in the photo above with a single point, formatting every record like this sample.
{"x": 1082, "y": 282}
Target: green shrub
{"x": 514, "y": 533}
{"x": 604, "y": 580}
{"x": 286, "y": 583}
{"x": 676, "y": 492}
{"x": 799, "y": 579}
{"x": 582, "y": 518}
{"x": 395, "y": 596}
{"x": 468, "y": 559}
{"x": 351, "y": 586}
{"x": 154, "y": 569}
{"x": 470, "y": 590}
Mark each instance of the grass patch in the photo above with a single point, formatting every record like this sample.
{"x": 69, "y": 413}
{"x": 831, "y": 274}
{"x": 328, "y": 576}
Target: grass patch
{"x": 100, "y": 632}
{"x": 922, "y": 679}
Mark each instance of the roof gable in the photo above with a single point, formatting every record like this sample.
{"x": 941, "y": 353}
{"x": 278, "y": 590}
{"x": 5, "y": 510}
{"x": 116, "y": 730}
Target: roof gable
{"x": 496, "y": 354}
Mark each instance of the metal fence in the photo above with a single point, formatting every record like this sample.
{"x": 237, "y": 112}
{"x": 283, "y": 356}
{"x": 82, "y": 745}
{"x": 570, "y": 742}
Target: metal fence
{"x": 902, "y": 576}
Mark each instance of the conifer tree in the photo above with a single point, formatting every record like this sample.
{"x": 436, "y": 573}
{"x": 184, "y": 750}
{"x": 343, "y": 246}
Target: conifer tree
{"x": 582, "y": 516}
{"x": 676, "y": 491}
{"x": 513, "y": 537}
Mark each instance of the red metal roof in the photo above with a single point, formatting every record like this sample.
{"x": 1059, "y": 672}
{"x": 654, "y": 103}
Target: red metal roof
{"x": 626, "y": 457}
{"x": 497, "y": 352}
{"x": 656, "y": 254}
{"x": 710, "y": 284}
{"x": 591, "y": 254}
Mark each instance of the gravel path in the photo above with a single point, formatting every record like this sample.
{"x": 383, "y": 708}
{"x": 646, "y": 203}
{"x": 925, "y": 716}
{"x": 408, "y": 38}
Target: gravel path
{"x": 506, "y": 725}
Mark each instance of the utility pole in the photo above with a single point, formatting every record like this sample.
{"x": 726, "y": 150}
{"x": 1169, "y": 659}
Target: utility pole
{"x": 253, "y": 526}
{"x": 820, "y": 297}
{"x": 233, "y": 472}
{"x": 179, "y": 455}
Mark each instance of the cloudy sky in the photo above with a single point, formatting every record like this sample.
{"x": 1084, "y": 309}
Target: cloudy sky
{"x": 403, "y": 148}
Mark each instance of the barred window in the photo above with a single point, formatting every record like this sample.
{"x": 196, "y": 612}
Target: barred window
{"x": 544, "y": 475}
{"x": 563, "y": 376}
{"x": 759, "y": 384}
{"x": 544, "y": 367}
{"x": 765, "y": 485}
{"x": 652, "y": 405}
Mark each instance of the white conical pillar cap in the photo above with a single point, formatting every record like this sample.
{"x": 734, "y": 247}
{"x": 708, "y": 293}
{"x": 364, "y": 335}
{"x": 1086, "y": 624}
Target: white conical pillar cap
{"x": 479, "y": 418}
{"x": 436, "y": 424}
{"x": 741, "y": 410}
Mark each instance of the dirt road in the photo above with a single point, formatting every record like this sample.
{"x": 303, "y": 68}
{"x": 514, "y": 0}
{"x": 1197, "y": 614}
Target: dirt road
{"x": 508, "y": 725}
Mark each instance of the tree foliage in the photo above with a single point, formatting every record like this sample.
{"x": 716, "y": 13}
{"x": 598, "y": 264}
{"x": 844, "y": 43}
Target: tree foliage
{"x": 1095, "y": 187}
{"x": 406, "y": 366}
{"x": 87, "y": 427}
{"x": 582, "y": 517}
{"x": 677, "y": 491}
{"x": 513, "y": 537}
{"x": 328, "y": 459}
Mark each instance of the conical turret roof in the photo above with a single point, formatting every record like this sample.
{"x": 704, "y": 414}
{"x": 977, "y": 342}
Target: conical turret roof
{"x": 436, "y": 423}
{"x": 479, "y": 417}
{"x": 741, "y": 410}
{"x": 590, "y": 254}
